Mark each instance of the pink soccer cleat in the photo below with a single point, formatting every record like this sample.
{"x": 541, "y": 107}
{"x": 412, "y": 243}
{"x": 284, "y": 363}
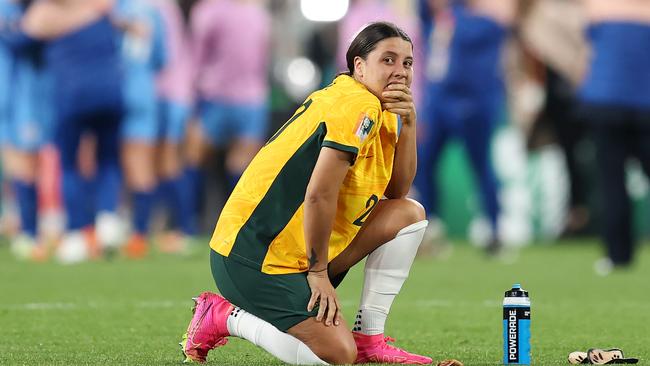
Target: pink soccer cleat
{"x": 208, "y": 328}
{"x": 375, "y": 349}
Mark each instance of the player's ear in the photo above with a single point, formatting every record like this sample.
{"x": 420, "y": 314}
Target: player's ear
{"x": 359, "y": 66}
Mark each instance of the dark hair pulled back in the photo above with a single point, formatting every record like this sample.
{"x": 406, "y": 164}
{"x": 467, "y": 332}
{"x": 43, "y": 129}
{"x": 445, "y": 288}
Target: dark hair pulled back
{"x": 366, "y": 41}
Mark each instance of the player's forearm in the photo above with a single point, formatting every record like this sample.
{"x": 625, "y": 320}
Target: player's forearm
{"x": 405, "y": 163}
{"x": 319, "y": 213}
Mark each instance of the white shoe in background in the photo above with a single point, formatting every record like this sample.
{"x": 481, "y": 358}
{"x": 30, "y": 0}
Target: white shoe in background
{"x": 603, "y": 266}
{"x": 73, "y": 248}
{"x": 22, "y": 246}
{"x": 110, "y": 231}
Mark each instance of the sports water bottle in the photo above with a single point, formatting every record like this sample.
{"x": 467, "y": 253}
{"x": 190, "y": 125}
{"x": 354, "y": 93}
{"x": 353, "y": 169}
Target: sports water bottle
{"x": 516, "y": 327}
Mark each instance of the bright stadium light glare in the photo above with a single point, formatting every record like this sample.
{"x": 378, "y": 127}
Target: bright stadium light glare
{"x": 324, "y": 10}
{"x": 302, "y": 77}
{"x": 301, "y": 71}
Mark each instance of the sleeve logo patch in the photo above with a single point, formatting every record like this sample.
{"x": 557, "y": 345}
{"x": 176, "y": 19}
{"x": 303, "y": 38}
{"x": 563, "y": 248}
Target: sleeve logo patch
{"x": 364, "y": 127}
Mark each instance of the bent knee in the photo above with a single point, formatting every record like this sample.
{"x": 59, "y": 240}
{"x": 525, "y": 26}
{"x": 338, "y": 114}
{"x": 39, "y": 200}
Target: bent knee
{"x": 341, "y": 353}
{"x": 402, "y": 212}
{"x": 419, "y": 213}
{"x": 413, "y": 211}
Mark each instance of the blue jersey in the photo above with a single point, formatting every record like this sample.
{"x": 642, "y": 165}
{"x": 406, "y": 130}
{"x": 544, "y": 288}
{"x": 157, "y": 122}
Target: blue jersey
{"x": 474, "y": 54}
{"x": 86, "y": 70}
{"x": 143, "y": 55}
{"x": 471, "y": 82}
{"x": 619, "y": 73}
{"x": 28, "y": 109}
{"x": 425, "y": 16}
{"x": 9, "y": 15}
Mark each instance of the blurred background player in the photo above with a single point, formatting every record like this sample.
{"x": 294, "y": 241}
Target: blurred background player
{"x": 81, "y": 54}
{"x": 27, "y": 121}
{"x": 231, "y": 81}
{"x": 463, "y": 93}
{"x": 616, "y": 97}
{"x": 555, "y": 51}
{"x": 174, "y": 84}
{"x": 6, "y": 11}
{"x": 143, "y": 55}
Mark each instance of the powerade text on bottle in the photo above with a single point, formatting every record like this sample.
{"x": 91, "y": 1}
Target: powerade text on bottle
{"x": 516, "y": 327}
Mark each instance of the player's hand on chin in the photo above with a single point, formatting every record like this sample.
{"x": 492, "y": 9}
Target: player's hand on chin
{"x": 397, "y": 98}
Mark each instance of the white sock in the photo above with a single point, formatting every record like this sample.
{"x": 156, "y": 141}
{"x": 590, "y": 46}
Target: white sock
{"x": 261, "y": 333}
{"x": 387, "y": 267}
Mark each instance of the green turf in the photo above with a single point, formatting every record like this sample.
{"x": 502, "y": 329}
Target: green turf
{"x": 124, "y": 312}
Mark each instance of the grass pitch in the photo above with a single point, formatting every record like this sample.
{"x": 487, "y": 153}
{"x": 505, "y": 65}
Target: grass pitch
{"x": 134, "y": 313}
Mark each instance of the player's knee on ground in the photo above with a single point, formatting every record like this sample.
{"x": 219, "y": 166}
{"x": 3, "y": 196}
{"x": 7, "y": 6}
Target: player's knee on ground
{"x": 338, "y": 352}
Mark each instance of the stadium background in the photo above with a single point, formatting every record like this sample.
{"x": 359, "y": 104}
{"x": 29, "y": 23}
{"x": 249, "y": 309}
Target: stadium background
{"x": 122, "y": 312}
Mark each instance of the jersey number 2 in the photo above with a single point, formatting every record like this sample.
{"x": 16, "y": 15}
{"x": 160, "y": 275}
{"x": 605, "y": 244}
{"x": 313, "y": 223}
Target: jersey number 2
{"x": 370, "y": 204}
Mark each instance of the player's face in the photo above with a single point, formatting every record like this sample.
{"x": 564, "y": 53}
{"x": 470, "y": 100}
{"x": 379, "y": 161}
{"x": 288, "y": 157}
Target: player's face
{"x": 391, "y": 62}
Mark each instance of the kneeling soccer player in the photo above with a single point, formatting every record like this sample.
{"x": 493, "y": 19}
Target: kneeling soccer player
{"x": 309, "y": 207}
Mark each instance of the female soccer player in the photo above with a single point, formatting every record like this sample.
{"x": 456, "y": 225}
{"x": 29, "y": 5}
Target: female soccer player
{"x": 81, "y": 56}
{"x": 143, "y": 55}
{"x": 616, "y": 101}
{"x": 328, "y": 189}
{"x": 464, "y": 94}
{"x": 25, "y": 120}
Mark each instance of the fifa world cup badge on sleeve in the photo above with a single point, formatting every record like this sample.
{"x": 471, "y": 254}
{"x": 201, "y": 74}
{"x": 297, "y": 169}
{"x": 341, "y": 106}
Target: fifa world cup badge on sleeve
{"x": 516, "y": 326}
{"x": 363, "y": 128}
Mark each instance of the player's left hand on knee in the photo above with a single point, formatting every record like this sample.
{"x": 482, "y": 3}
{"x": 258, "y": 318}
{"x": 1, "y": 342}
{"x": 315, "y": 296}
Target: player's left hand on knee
{"x": 323, "y": 294}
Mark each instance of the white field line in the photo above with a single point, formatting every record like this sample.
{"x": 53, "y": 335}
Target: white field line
{"x": 171, "y": 304}
{"x": 34, "y": 306}
{"x": 168, "y": 304}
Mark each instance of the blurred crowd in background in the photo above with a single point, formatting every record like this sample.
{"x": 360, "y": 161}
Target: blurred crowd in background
{"x": 124, "y": 124}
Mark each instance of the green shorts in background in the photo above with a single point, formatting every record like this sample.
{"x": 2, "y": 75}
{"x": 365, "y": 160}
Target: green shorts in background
{"x": 279, "y": 299}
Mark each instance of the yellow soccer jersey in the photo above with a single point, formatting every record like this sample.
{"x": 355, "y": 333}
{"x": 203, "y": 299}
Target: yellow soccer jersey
{"x": 261, "y": 225}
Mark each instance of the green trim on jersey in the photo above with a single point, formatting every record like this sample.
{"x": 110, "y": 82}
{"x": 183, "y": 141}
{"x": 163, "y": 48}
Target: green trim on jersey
{"x": 283, "y": 198}
{"x": 337, "y": 146}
